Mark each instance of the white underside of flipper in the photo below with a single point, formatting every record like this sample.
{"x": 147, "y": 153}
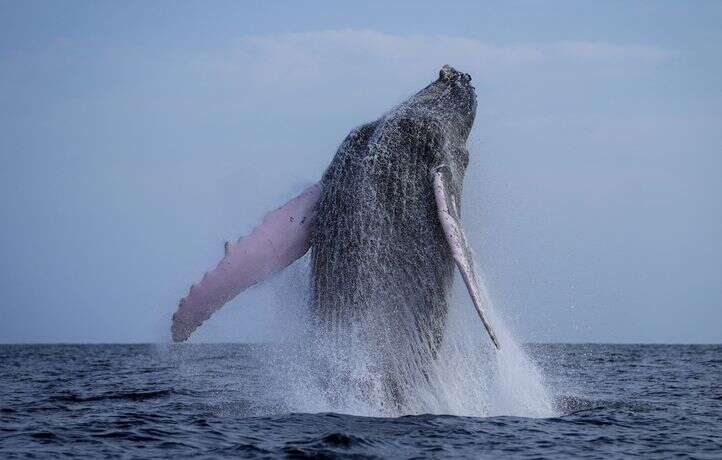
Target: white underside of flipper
{"x": 283, "y": 236}
{"x": 448, "y": 212}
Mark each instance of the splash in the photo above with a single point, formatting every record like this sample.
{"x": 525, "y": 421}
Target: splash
{"x": 466, "y": 376}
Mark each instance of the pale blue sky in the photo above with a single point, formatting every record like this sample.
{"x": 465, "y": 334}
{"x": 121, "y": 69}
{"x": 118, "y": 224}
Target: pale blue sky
{"x": 136, "y": 137}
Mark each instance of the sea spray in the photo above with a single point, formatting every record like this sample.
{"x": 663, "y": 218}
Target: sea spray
{"x": 473, "y": 378}
{"x": 467, "y": 377}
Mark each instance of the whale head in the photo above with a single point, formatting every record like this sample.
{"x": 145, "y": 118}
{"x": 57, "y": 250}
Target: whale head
{"x": 451, "y": 99}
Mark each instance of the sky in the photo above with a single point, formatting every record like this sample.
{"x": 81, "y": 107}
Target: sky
{"x": 137, "y": 137}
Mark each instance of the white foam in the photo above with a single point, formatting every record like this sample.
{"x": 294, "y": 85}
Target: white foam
{"x": 468, "y": 377}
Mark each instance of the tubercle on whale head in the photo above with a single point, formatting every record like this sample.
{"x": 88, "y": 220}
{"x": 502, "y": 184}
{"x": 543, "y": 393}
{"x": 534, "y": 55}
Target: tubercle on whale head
{"x": 451, "y": 99}
{"x": 448, "y": 73}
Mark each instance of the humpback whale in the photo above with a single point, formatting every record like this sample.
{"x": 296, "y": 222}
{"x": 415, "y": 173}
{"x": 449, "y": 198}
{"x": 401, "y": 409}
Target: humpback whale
{"x": 383, "y": 226}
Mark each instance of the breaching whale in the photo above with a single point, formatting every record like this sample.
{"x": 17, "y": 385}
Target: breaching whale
{"x": 383, "y": 226}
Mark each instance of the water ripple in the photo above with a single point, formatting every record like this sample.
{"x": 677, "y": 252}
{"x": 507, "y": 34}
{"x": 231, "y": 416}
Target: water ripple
{"x": 650, "y": 401}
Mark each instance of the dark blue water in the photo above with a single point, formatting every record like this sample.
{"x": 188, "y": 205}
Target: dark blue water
{"x": 214, "y": 401}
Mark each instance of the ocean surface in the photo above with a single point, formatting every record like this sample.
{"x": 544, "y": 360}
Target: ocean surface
{"x": 610, "y": 401}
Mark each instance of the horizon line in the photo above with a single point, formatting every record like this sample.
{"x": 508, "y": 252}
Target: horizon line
{"x": 282, "y": 343}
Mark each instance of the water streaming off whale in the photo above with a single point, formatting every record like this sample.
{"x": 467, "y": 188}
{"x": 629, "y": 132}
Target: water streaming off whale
{"x": 466, "y": 377}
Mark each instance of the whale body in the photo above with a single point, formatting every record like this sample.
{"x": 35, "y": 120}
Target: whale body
{"x": 384, "y": 230}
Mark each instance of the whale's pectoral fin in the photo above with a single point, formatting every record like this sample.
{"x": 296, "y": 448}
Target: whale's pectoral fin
{"x": 283, "y": 236}
{"x": 448, "y": 211}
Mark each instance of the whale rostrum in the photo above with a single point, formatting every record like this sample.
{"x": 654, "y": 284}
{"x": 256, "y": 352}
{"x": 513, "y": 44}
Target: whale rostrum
{"x": 383, "y": 225}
